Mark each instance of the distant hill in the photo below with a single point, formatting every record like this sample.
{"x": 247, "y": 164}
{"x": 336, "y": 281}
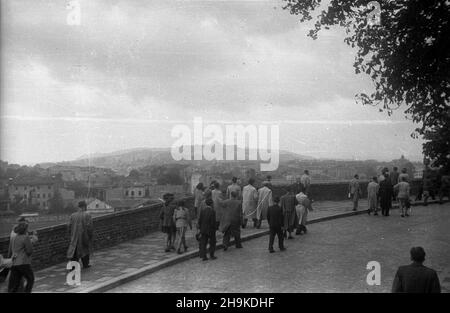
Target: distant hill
{"x": 124, "y": 160}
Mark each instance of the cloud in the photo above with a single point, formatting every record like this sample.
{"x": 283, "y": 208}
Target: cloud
{"x": 135, "y": 63}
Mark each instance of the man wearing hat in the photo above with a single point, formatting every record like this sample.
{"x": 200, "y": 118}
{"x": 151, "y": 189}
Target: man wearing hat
{"x": 81, "y": 235}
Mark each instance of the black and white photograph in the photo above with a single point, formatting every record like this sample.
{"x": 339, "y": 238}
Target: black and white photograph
{"x": 224, "y": 152}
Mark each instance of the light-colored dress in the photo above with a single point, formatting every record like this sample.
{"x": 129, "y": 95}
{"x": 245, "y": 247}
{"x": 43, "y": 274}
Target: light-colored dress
{"x": 372, "y": 195}
{"x": 302, "y": 208}
{"x": 182, "y": 219}
{"x": 264, "y": 202}
{"x": 249, "y": 202}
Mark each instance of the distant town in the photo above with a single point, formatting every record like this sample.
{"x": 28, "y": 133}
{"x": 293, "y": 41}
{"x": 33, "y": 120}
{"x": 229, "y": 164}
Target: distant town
{"x": 129, "y": 179}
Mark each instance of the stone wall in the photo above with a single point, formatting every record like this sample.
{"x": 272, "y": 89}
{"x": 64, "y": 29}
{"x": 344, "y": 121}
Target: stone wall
{"x": 109, "y": 230}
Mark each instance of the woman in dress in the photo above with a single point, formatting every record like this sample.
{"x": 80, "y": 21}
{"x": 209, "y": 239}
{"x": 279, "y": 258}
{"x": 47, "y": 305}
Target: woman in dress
{"x": 302, "y": 208}
{"x": 182, "y": 220}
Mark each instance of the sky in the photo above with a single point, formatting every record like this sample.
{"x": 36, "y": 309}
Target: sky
{"x": 132, "y": 70}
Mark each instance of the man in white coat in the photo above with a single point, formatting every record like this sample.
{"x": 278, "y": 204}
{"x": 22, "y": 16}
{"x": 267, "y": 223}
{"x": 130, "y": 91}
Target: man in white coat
{"x": 264, "y": 201}
{"x": 249, "y": 203}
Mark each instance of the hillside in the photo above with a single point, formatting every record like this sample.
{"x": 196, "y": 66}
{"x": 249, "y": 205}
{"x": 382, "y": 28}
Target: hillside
{"x": 124, "y": 160}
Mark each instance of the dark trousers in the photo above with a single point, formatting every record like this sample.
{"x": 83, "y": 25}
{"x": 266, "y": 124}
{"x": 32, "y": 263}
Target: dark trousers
{"x": 236, "y": 233}
{"x": 84, "y": 259}
{"x": 204, "y": 240}
{"x": 17, "y": 273}
{"x": 385, "y": 210}
{"x": 279, "y": 233}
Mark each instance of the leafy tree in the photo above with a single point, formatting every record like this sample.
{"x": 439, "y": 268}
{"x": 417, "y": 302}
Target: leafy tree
{"x": 406, "y": 56}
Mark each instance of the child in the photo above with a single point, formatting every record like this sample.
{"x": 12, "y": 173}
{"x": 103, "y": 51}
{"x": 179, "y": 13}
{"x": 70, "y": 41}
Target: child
{"x": 403, "y": 195}
{"x": 167, "y": 222}
{"x": 182, "y": 219}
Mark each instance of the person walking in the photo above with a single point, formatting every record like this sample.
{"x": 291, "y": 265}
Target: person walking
{"x": 416, "y": 278}
{"x": 207, "y": 229}
{"x": 276, "y": 221}
{"x": 372, "y": 196}
{"x": 21, "y": 251}
{"x": 403, "y": 193}
{"x": 5, "y": 272}
{"x": 304, "y": 205}
{"x": 234, "y": 187}
{"x": 288, "y": 203}
{"x": 198, "y": 198}
{"x": 385, "y": 194}
{"x": 167, "y": 223}
{"x": 264, "y": 201}
{"x": 81, "y": 235}
{"x": 216, "y": 196}
{"x": 249, "y": 203}
{"x": 305, "y": 181}
{"x": 182, "y": 220}
{"x": 354, "y": 191}
{"x": 231, "y": 221}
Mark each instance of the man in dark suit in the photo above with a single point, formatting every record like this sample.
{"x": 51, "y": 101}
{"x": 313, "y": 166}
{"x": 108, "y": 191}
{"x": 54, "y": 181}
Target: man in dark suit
{"x": 231, "y": 221}
{"x": 416, "y": 278}
{"x": 207, "y": 228}
{"x": 385, "y": 194}
{"x": 275, "y": 219}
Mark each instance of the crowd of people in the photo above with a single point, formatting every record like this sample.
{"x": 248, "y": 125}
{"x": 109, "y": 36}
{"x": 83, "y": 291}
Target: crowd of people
{"x": 230, "y": 211}
{"x": 226, "y": 212}
{"x": 382, "y": 191}
{"x": 394, "y": 186}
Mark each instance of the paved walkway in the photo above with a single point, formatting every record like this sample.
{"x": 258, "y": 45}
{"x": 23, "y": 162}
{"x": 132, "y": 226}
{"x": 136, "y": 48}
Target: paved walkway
{"x": 332, "y": 257}
{"x": 133, "y": 255}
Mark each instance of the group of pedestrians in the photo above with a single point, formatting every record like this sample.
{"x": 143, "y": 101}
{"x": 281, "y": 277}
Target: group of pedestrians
{"x": 382, "y": 191}
{"x": 17, "y": 264}
{"x": 18, "y": 261}
{"x": 175, "y": 219}
{"x": 230, "y": 211}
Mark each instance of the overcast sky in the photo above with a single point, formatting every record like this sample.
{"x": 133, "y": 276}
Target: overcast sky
{"x": 133, "y": 69}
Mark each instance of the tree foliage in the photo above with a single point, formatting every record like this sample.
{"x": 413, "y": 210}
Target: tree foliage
{"x": 406, "y": 56}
